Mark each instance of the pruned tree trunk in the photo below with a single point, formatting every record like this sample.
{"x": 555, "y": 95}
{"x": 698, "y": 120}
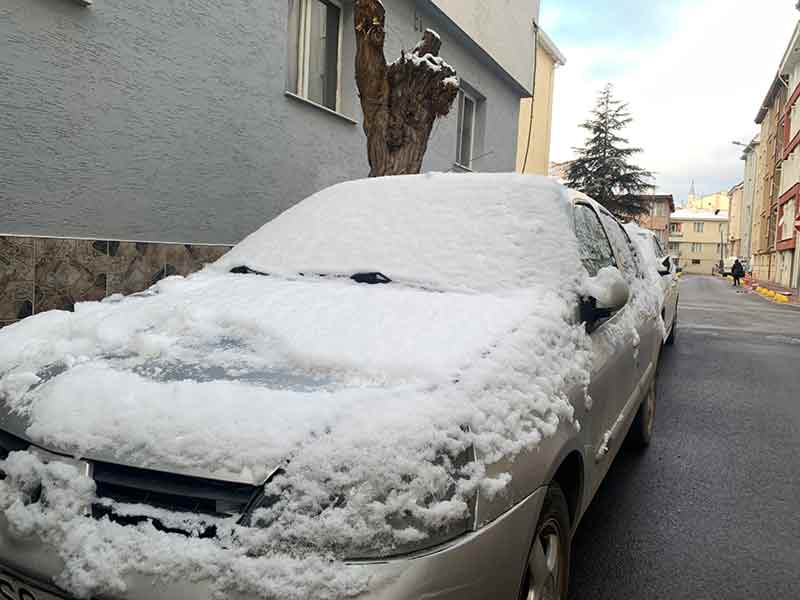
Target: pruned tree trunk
{"x": 400, "y": 101}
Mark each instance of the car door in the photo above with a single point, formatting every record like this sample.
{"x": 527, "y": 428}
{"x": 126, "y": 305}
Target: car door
{"x": 648, "y": 339}
{"x": 613, "y": 373}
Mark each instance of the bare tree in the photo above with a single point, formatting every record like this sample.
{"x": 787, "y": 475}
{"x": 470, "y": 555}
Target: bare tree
{"x": 402, "y": 100}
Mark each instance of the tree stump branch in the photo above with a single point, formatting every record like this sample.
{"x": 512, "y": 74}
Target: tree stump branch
{"x": 402, "y": 100}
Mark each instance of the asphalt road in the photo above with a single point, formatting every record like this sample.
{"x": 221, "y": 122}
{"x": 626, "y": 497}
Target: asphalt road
{"x": 712, "y": 508}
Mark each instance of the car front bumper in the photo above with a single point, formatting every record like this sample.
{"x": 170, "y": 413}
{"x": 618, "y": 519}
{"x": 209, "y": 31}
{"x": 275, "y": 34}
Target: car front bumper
{"x": 484, "y": 564}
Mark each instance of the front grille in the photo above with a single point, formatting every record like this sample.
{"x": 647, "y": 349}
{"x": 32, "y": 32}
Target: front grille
{"x": 174, "y": 493}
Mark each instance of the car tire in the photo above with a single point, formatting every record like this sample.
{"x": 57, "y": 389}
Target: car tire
{"x": 547, "y": 566}
{"x": 641, "y": 432}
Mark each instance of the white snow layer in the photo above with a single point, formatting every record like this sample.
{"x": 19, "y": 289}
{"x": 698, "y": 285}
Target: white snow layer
{"x": 473, "y": 232}
{"x": 642, "y": 240}
{"x": 367, "y": 395}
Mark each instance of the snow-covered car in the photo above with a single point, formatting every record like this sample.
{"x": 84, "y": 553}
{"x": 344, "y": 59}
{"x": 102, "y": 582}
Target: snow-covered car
{"x": 664, "y": 272}
{"x": 400, "y": 388}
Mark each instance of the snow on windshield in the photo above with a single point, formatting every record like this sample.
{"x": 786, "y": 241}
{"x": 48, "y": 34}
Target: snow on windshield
{"x": 449, "y": 231}
{"x": 368, "y": 396}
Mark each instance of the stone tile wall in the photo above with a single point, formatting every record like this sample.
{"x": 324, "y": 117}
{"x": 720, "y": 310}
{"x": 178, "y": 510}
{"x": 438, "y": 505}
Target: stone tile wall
{"x": 45, "y": 273}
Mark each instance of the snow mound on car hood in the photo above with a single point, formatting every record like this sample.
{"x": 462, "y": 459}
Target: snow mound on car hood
{"x": 225, "y": 374}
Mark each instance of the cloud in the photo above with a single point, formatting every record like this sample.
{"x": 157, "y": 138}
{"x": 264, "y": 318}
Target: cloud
{"x": 693, "y": 86}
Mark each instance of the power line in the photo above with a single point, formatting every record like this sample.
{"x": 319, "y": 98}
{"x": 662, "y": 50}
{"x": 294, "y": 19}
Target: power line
{"x": 533, "y": 92}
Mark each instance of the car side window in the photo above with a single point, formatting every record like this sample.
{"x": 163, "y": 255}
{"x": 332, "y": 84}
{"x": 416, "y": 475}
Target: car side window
{"x": 593, "y": 246}
{"x": 659, "y": 250}
{"x": 622, "y": 246}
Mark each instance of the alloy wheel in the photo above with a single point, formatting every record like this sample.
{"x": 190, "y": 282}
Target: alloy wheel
{"x": 545, "y": 564}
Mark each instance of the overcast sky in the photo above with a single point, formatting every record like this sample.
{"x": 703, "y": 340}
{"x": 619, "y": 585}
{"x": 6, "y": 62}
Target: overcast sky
{"x": 693, "y": 71}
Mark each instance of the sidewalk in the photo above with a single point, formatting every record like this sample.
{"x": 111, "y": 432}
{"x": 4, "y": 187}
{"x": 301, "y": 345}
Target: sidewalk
{"x": 768, "y": 291}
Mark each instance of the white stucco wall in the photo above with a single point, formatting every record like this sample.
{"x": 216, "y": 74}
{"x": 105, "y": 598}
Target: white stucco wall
{"x": 504, "y": 28}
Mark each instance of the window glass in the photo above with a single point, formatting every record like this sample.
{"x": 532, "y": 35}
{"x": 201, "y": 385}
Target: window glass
{"x": 698, "y": 227}
{"x": 313, "y": 68}
{"x": 593, "y": 246}
{"x": 622, "y": 246}
{"x": 466, "y": 129}
{"x": 657, "y": 247}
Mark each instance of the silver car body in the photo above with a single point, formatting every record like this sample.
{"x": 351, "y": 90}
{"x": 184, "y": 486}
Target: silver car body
{"x": 486, "y": 562}
{"x": 655, "y": 256}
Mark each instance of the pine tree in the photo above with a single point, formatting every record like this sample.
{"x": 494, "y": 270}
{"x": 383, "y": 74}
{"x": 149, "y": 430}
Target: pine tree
{"x": 602, "y": 169}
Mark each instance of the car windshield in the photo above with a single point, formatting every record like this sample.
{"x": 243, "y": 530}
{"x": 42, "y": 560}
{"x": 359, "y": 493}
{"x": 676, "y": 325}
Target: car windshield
{"x": 448, "y": 232}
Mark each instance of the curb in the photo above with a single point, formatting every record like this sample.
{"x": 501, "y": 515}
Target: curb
{"x": 774, "y": 297}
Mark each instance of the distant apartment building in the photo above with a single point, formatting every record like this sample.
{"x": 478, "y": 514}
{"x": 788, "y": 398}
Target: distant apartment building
{"x": 711, "y": 202}
{"x": 657, "y": 217}
{"x": 559, "y": 169}
{"x": 751, "y": 175}
{"x": 533, "y": 142}
{"x": 736, "y": 195}
{"x": 769, "y": 154}
{"x": 787, "y": 272}
{"x": 697, "y": 238}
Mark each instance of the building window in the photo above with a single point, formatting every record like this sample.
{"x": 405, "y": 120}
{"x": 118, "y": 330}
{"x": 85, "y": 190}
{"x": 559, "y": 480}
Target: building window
{"x": 314, "y": 50}
{"x": 697, "y": 248}
{"x": 698, "y": 227}
{"x": 675, "y": 227}
{"x": 695, "y": 261}
{"x": 674, "y": 247}
{"x": 786, "y": 221}
{"x": 467, "y": 110}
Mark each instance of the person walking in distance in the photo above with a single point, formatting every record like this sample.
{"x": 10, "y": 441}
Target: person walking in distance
{"x": 738, "y": 272}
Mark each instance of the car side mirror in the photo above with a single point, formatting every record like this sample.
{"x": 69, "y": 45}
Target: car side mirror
{"x": 603, "y": 295}
{"x": 665, "y": 266}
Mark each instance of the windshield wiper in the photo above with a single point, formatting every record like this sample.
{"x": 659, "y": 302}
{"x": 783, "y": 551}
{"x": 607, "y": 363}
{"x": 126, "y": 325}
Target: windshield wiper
{"x": 374, "y": 278}
{"x": 371, "y": 278}
{"x": 246, "y": 271}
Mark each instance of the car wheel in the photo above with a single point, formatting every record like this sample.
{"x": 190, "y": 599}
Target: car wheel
{"x": 641, "y": 431}
{"x": 547, "y": 568}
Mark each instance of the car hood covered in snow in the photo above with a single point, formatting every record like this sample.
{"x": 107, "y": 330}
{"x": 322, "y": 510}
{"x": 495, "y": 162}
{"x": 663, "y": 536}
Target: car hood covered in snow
{"x": 224, "y": 375}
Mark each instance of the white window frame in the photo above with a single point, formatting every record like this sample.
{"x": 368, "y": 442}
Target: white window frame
{"x": 699, "y": 227}
{"x": 304, "y": 50}
{"x": 462, "y": 95}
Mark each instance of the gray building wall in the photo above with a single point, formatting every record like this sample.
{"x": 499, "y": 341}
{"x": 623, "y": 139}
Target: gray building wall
{"x": 169, "y": 120}
{"x": 748, "y": 198}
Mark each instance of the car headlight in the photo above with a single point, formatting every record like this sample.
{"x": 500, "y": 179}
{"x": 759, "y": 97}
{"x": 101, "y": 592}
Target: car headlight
{"x": 357, "y": 527}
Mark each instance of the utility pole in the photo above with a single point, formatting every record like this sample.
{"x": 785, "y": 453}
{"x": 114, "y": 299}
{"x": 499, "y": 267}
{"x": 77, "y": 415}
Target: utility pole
{"x": 721, "y": 249}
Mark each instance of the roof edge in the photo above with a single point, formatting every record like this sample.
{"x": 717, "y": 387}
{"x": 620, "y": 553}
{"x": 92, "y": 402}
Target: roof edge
{"x": 546, "y": 42}
{"x": 791, "y": 51}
